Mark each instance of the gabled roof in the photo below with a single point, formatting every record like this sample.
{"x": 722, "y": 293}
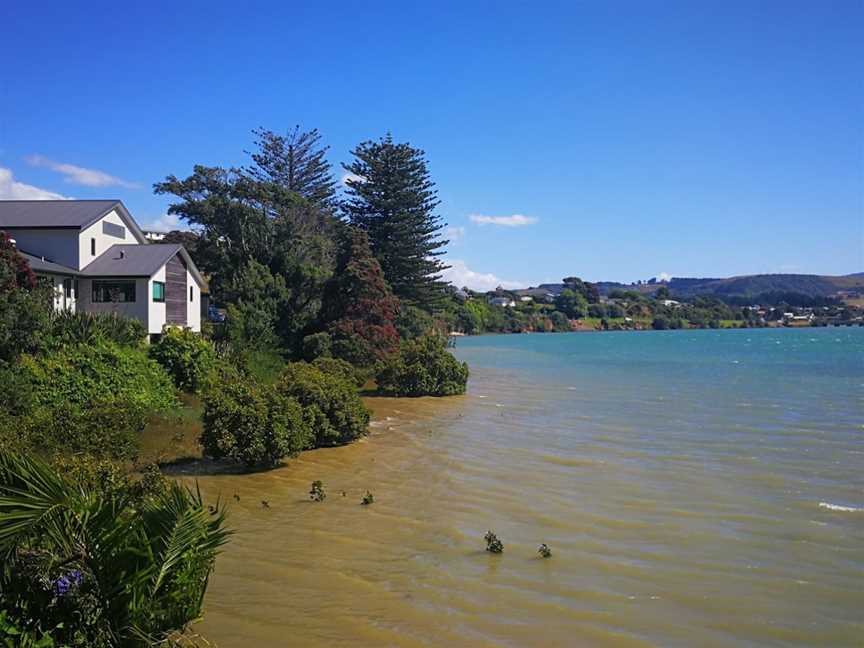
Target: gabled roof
{"x": 61, "y": 214}
{"x": 53, "y": 213}
{"x": 39, "y": 264}
{"x": 136, "y": 260}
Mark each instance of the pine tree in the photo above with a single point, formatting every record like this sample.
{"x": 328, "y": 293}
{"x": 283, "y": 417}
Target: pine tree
{"x": 392, "y": 197}
{"x": 296, "y": 161}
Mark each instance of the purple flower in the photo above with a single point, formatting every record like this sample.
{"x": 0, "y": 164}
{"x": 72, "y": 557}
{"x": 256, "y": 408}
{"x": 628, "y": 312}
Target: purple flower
{"x": 65, "y": 583}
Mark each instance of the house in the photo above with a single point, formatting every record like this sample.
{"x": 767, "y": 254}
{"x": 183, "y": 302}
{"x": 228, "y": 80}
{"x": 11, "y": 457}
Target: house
{"x": 98, "y": 260}
{"x": 154, "y": 236}
{"x": 504, "y": 302}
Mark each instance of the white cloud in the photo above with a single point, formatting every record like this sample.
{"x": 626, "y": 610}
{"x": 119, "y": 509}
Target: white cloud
{"x": 664, "y": 276}
{"x": 165, "y": 223}
{"x": 459, "y": 274}
{"x": 80, "y": 175}
{"x": 350, "y": 176}
{"x": 10, "y": 189}
{"x": 516, "y": 220}
{"x": 454, "y": 234}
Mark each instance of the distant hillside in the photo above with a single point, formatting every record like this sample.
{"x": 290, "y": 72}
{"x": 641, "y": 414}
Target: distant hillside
{"x": 744, "y": 286}
{"x": 810, "y": 285}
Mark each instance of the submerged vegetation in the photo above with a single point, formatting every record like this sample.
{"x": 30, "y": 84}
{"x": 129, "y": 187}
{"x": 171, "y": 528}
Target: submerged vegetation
{"x": 493, "y": 544}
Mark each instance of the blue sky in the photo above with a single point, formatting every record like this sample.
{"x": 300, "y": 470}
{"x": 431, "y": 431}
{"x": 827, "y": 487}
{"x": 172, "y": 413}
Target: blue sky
{"x": 609, "y": 140}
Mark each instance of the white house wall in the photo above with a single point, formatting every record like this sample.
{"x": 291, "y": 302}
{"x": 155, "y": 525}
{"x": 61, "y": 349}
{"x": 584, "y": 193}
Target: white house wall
{"x": 138, "y": 309}
{"x": 156, "y": 313}
{"x": 103, "y": 240}
{"x": 193, "y": 306}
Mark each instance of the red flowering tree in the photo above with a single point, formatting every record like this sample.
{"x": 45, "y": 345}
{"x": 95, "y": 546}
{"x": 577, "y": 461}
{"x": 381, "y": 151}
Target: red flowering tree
{"x": 359, "y": 305}
{"x": 24, "y": 306}
{"x": 15, "y": 272}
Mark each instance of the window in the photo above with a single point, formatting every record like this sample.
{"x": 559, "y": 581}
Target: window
{"x": 92, "y": 247}
{"x": 67, "y": 288}
{"x": 110, "y": 229}
{"x": 191, "y": 298}
{"x": 113, "y": 291}
{"x": 158, "y": 291}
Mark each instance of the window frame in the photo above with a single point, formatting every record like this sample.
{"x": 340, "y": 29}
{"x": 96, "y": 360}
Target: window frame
{"x": 191, "y": 294}
{"x": 155, "y": 299}
{"x": 100, "y": 286}
{"x": 93, "y": 247}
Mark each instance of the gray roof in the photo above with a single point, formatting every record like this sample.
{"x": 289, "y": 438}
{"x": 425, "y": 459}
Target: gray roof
{"x": 76, "y": 214}
{"x": 39, "y": 264}
{"x": 132, "y": 260}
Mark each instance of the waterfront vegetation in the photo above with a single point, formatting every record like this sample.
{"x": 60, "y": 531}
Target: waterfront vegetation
{"x": 321, "y": 297}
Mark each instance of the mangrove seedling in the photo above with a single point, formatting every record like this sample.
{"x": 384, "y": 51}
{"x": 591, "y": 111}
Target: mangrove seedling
{"x": 493, "y": 544}
{"x": 317, "y": 493}
{"x": 544, "y": 550}
{"x": 368, "y": 499}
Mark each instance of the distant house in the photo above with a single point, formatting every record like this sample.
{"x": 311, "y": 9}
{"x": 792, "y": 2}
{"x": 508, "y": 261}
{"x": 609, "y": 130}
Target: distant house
{"x": 504, "y": 302}
{"x": 462, "y": 295}
{"x": 98, "y": 260}
{"x": 154, "y": 236}
{"x": 670, "y": 302}
{"x": 526, "y": 298}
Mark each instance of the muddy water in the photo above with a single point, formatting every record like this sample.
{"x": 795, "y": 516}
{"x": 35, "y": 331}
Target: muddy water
{"x": 695, "y": 489}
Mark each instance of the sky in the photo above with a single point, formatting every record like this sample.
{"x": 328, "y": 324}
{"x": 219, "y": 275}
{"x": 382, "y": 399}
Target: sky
{"x": 611, "y": 140}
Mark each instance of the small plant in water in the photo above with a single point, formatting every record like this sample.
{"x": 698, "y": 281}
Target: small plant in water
{"x": 493, "y": 544}
{"x": 368, "y": 499}
{"x": 317, "y": 493}
{"x": 544, "y": 550}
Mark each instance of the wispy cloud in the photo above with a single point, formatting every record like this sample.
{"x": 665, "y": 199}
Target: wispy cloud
{"x": 11, "y": 189}
{"x": 81, "y": 175}
{"x": 454, "y": 234}
{"x": 165, "y": 223}
{"x": 516, "y": 220}
{"x": 664, "y": 276}
{"x": 459, "y": 274}
{"x": 353, "y": 177}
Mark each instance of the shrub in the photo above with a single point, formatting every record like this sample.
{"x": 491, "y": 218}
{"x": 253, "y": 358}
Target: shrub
{"x": 317, "y": 493}
{"x": 422, "y": 367}
{"x": 316, "y": 346}
{"x": 342, "y": 369}
{"x": 252, "y": 424}
{"x": 330, "y": 402}
{"x": 89, "y": 328}
{"x": 187, "y": 357}
{"x": 97, "y": 566}
{"x": 82, "y": 375}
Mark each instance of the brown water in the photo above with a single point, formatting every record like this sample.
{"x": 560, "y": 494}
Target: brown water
{"x": 687, "y": 516}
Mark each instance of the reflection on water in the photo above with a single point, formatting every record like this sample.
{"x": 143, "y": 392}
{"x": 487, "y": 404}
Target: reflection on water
{"x": 682, "y": 494}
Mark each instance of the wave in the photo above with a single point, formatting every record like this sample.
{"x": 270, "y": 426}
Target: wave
{"x": 839, "y": 508}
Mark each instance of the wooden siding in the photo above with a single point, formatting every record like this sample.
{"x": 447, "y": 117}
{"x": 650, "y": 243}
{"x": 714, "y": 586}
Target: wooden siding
{"x": 176, "y": 292}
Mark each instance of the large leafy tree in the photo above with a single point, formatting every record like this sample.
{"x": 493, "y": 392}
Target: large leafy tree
{"x": 359, "y": 306}
{"x": 253, "y": 234}
{"x": 24, "y": 304}
{"x": 296, "y": 161}
{"x": 393, "y": 198}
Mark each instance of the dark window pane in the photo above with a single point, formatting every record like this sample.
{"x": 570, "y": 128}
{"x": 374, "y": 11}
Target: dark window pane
{"x": 113, "y": 291}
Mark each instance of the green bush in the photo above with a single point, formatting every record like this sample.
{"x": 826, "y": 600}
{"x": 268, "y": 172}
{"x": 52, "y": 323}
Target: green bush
{"x": 331, "y": 403}
{"x": 187, "y": 357}
{"x": 342, "y": 369}
{"x": 252, "y": 424}
{"x": 422, "y": 367}
{"x": 100, "y": 565}
{"x": 317, "y": 345}
{"x": 89, "y": 328}
{"x": 83, "y": 374}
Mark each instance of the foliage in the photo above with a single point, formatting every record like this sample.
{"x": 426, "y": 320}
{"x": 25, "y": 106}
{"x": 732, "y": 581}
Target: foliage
{"x": 187, "y": 357}
{"x": 422, "y": 367}
{"x": 297, "y": 162}
{"x": 316, "y": 492}
{"x": 24, "y": 304}
{"x": 392, "y": 197}
{"x": 544, "y": 550}
{"x": 83, "y": 375}
{"x": 368, "y": 499}
{"x": 317, "y": 345}
{"x": 493, "y": 544}
{"x": 330, "y": 403}
{"x": 342, "y": 369}
{"x": 414, "y": 322}
{"x": 101, "y": 568}
{"x": 90, "y": 328}
{"x": 572, "y": 304}
{"x": 253, "y": 424}
{"x": 358, "y": 304}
